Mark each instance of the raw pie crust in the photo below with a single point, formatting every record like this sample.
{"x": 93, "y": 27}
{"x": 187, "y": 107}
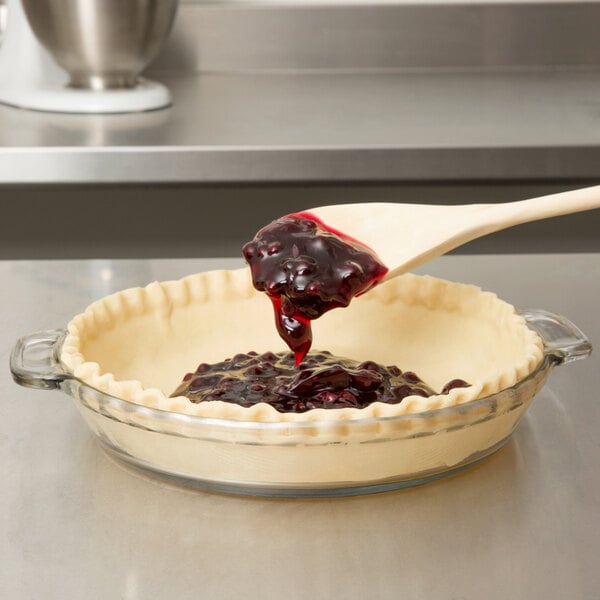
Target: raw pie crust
{"x": 138, "y": 343}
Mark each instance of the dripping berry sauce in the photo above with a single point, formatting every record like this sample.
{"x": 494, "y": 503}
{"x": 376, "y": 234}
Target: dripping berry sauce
{"x": 306, "y": 269}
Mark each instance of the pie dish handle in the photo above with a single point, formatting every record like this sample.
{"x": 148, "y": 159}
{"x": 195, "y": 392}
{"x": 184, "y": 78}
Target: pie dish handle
{"x": 563, "y": 340}
{"x": 35, "y": 362}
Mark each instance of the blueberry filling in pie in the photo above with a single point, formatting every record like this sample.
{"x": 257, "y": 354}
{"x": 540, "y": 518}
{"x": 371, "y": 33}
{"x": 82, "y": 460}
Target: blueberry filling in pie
{"x": 320, "y": 381}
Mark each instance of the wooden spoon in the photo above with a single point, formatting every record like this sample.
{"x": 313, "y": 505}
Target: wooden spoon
{"x": 407, "y": 235}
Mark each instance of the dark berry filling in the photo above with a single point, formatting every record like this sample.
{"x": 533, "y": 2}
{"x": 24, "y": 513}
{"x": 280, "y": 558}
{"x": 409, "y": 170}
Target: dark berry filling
{"x": 307, "y": 269}
{"x": 321, "y": 381}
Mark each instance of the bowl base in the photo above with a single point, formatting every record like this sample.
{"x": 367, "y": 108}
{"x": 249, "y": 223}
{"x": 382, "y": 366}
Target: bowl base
{"x": 146, "y": 95}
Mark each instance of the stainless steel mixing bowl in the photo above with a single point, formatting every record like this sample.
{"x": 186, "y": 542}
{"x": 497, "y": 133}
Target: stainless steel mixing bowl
{"x": 102, "y": 44}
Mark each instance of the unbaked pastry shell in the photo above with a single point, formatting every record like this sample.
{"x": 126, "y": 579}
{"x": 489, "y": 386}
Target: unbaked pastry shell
{"x": 138, "y": 343}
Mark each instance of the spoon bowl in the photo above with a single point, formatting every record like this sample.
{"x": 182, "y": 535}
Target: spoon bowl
{"x": 405, "y": 236}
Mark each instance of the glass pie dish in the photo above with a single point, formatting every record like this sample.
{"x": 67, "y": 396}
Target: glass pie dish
{"x": 325, "y": 457}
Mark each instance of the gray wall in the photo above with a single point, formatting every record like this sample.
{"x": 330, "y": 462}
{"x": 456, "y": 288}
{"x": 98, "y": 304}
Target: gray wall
{"x": 194, "y": 221}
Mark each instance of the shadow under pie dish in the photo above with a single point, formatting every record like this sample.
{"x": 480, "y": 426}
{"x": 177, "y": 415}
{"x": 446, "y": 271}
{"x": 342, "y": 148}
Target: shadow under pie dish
{"x": 124, "y": 356}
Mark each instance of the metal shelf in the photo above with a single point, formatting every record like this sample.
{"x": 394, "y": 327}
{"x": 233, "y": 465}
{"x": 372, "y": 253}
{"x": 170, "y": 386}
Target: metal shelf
{"x": 266, "y": 127}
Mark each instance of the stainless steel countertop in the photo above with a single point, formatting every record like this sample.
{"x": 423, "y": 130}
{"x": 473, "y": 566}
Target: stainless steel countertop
{"x": 522, "y": 525}
{"x": 328, "y": 126}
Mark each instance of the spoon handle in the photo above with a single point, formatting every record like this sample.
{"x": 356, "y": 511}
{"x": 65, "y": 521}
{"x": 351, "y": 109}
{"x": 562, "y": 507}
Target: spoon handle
{"x": 502, "y": 216}
{"x": 469, "y": 222}
{"x": 407, "y": 235}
